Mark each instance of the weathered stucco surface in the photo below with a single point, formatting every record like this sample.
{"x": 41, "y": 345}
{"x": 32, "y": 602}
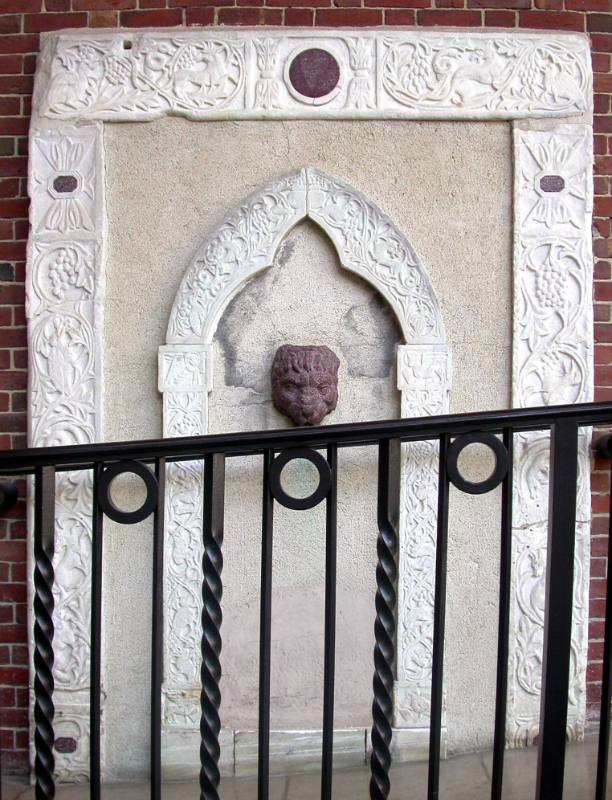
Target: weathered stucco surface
{"x": 448, "y": 187}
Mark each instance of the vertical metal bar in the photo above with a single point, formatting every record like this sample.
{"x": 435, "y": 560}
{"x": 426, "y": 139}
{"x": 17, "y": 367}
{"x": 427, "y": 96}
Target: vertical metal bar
{"x": 95, "y": 708}
{"x": 389, "y": 478}
{"x": 329, "y": 658}
{"x": 437, "y": 664}
{"x": 606, "y": 682}
{"x": 503, "y": 627}
{"x": 212, "y": 590}
{"x": 265, "y": 626}
{"x": 157, "y": 628}
{"x": 558, "y": 610}
{"x": 44, "y": 711}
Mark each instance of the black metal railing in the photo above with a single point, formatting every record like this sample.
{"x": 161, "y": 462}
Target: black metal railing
{"x": 453, "y": 433}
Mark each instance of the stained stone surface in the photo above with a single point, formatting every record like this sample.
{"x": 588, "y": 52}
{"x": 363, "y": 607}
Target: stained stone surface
{"x": 448, "y": 188}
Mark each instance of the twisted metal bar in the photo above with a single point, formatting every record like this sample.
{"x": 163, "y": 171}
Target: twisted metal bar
{"x": 44, "y": 711}
{"x": 212, "y": 590}
{"x": 384, "y": 626}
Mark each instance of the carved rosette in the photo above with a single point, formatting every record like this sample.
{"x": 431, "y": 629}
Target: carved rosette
{"x": 142, "y": 75}
{"x": 553, "y": 343}
{"x": 64, "y": 287}
{"x": 424, "y": 379}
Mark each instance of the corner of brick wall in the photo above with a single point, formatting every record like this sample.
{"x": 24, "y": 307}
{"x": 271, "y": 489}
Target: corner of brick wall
{"x": 21, "y": 22}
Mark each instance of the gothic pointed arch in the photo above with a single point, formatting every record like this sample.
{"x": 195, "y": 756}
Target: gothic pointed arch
{"x": 367, "y": 241}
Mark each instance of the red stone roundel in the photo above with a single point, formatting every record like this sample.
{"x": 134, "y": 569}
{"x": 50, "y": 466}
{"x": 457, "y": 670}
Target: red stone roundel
{"x": 314, "y": 73}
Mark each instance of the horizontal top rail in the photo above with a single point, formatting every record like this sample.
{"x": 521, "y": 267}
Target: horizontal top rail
{"x": 84, "y": 456}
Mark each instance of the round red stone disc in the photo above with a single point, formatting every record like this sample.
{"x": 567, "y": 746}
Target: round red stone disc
{"x": 314, "y": 72}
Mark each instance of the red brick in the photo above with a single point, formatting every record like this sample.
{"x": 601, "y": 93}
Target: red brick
{"x": 400, "y": 17}
{"x": 594, "y": 672}
{"x": 602, "y": 123}
{"x": 601, "y": 62}
{"x": 103, "y": 19}
{"x": 13, "y": 676}
{"x": 598, "y": 568}
{"x": 13, "y": 380}
{"x": 601, "y": 42}
{"x": 152, "y": 4}
{"x": 601, "y": 102}
{"x": 14, "y": 125}
{"x": 588, "y": 5}
{"x": 450, "y": 3}
{"x": 103, "y": 5}
{"x": 10, "y": 634}
{"x": 19, "y": 44}
{"x": 21, "y": 6}
{"x": 505, "y": 4}
{"x": 57, "y": 5}
{"x": 602, "y": 206}
{"x": 299, "y": 16}
{"x": 16, "y": 84}
{"x": 37, "y": 23}
{"x": 14, "y": 717}
{"x": 601, "y": 312}
{"x": 250, "y": 16}
{"x": 7, "y": 697}
{"x": 329, "y": 17}
{"x": 552, "y": 20}
{"x": 399, "y": 3}
{"x": 14, "y": 166}
{"x": 599, "y": 23}
{"x": 602, "y": 83}
{"x": 201, "y": 16}
{"x": 8, "y": 106}
{"x": 10, "y": 23}
{"x": 145, "y": 19}
{"x": 11, "y": 64}
{"x": 601, "y": 186}
{"x": 500, "y": 19}
{"x": 449, "y": 18}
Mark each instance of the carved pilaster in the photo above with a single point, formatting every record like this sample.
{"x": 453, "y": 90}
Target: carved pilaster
{"x": 424, "y": 379}
{"x": 552, "y": 364}
{"x": 64, "y": 296}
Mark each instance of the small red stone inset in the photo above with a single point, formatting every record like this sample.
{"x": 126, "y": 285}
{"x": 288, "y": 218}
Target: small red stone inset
{"x": 65, "y": 744}
{"x": 552, "y": 183}
{"x": 65, "y": 184}
{"x": 314, "y": 72}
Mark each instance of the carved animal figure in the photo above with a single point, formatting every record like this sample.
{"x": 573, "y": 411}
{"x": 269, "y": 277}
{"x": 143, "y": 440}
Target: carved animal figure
{"x": 305, "y": 382}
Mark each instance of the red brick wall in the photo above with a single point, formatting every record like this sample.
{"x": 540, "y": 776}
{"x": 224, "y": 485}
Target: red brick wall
{"x": 21, "y": 21}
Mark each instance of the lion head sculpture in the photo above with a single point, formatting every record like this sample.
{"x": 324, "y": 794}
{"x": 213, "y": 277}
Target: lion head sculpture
{"x": 305, "y": 382}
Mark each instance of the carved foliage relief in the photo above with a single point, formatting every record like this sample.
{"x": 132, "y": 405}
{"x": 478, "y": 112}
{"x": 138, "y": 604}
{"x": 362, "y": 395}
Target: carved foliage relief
{"x": 63, "y": 307}
{"x": 424, "y": 379}
{"x": 142, "y": 75}
{"x": 553, "y": 343}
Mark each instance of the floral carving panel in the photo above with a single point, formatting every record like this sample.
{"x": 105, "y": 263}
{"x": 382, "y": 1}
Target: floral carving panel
{"x": 63, "y": 306}
{"x": 240, "y": 74}
{"x": 553, "y": 343}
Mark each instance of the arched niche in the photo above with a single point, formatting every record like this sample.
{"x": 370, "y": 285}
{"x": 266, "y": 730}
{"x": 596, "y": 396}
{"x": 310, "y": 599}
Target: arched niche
{"x": 370, "y": 245}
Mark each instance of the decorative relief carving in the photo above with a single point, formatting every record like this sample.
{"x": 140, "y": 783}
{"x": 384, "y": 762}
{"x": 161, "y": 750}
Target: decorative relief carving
{"x": 242, "y": 245}
{"x": 451, "y": 75}
{"x": 480, "y": 75}
{"x": 369, "y": 244}
{"x": 267, "y": 85}
{"x": 366, "y": 240}
{"x": 158, "y": 74}
{"x": 424, "y": 379}
{"x": 58, "y": 211}
{"x": 508, "y": 75}
{"x": 63, "y": 305}
{"x": 553, "y": 343}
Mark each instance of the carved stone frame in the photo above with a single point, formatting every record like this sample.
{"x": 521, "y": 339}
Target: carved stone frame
{"x": 541, "y": 81}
